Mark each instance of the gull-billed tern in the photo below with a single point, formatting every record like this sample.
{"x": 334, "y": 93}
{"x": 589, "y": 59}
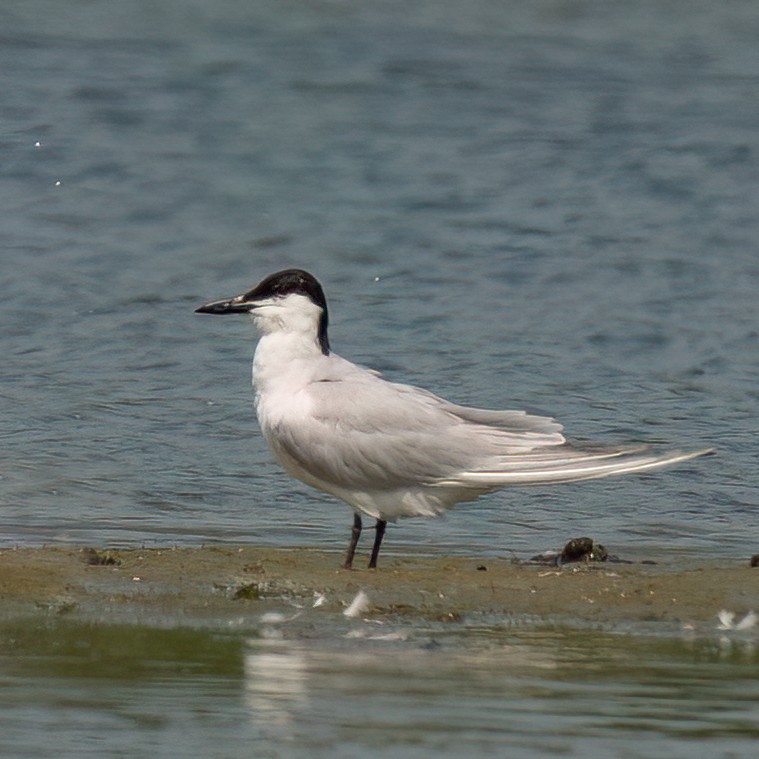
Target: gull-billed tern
{"x": 391, "y": 450}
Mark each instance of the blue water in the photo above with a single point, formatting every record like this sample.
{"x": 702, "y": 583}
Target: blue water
{"x": 545, "y": 205}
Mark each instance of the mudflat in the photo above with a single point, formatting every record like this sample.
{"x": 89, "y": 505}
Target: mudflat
{"x": 185, "y": 586}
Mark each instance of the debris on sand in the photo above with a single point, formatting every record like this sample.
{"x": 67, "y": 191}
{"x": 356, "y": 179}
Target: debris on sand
{"x": 727, "y": 621}
{"x": 578, "y": 549}
{"x": 357, "y": 606}
{"x": 94, "y": 558}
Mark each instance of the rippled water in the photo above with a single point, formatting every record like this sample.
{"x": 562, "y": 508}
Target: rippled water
{"x": 480, "y": 691}
{"x": 548, "y": 205}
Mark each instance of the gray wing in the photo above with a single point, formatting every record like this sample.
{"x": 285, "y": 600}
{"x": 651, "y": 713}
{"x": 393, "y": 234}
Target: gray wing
{"x": 365, "y": 432}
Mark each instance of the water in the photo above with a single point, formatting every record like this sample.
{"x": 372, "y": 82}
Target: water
{"x": 72, "y": 690}
{"x": 547, "y": 205}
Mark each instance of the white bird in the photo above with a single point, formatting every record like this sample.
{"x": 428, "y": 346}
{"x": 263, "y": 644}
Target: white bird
{"x": 391, "y": 450}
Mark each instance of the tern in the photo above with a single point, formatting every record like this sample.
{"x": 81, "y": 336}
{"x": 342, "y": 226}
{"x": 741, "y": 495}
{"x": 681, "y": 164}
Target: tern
{"x": 392, "y": 450}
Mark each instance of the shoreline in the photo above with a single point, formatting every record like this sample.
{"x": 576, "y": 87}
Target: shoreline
{"x": 217, "y": 584}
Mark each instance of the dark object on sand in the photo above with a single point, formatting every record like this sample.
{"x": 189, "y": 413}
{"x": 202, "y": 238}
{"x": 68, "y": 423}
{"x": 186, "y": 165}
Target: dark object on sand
{"x": 95, "y": 558}
{"x": 755, "y": 560}
{"x": 582, "y": 549}
{"x": 577, "y": 549}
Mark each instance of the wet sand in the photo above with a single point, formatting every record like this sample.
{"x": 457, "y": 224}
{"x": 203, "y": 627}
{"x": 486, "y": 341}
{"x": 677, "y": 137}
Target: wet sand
{"x": 185, "y": 586}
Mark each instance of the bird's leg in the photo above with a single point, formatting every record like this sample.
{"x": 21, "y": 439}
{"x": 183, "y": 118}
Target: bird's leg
{"x": 380, "y": 533}
{"x": 355, "y": 535}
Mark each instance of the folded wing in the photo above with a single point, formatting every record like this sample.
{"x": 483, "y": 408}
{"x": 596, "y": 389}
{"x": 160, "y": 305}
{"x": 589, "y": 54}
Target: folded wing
{"x": 364, "y": 432}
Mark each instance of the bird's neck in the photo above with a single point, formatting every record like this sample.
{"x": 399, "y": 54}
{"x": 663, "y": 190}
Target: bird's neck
{"x": 282, "y": 356}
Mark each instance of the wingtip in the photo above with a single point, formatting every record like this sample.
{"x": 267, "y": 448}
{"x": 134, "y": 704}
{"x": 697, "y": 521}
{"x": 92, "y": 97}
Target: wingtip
{"x": 703, "y": 452}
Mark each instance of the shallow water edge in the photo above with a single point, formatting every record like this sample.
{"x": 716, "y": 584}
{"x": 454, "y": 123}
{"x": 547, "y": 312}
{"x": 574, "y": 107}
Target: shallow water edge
{"x": 228, "y": 651}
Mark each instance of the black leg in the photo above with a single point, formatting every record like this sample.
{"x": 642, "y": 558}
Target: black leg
{"x": 380, "y": 528}
{"x": 355, "y": 535}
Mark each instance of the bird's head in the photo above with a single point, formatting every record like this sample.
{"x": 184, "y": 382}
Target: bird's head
{"x": 288, "y": 301}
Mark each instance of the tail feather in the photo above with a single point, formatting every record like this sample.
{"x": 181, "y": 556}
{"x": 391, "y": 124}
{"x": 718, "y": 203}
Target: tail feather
{"x": 566, "y": 464}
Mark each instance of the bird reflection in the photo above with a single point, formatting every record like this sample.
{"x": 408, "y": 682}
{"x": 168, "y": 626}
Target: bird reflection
{"x": 275, "y": 684}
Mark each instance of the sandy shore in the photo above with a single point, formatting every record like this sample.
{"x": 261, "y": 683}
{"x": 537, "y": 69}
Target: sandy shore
{"x": 189, "y": 585}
